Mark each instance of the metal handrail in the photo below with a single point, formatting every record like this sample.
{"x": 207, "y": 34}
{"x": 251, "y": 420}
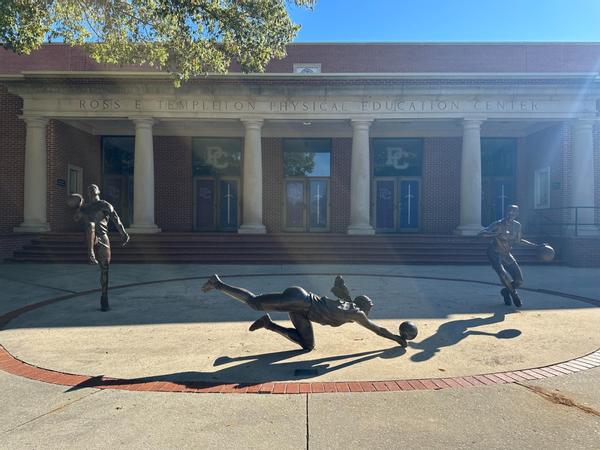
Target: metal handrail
{"x": 543, "y": 221}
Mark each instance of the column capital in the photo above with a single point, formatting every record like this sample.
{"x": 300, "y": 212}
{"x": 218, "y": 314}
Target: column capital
{"x": 470, "y": 123}
{"x": 143, "y": 121}
{"x": 35, "y": 121}
{"x": 359, "y": 124}
{"x": 252, "y": 122}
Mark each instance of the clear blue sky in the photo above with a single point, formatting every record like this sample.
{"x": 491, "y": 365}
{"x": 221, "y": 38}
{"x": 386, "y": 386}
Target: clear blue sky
{"x": 450, "y": 21}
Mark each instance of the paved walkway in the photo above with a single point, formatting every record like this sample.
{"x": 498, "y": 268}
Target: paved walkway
{"x": 151, "y": 373}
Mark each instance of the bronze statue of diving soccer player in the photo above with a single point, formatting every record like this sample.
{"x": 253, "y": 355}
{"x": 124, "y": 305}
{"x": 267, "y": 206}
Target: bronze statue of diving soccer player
{"x": 505, "y": 233}
{"x": 95, "y": 215}
{"x": 304, "y": 307}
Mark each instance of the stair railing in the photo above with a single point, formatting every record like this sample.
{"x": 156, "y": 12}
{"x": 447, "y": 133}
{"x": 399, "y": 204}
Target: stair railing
{"x": 565, "y": 221}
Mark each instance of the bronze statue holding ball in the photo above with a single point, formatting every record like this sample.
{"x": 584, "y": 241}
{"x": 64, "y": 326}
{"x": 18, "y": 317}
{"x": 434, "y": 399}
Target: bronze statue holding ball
{"x": 95, "y": 215}
{"x": 505, "y": 233}
{"x": 304, "y": 307}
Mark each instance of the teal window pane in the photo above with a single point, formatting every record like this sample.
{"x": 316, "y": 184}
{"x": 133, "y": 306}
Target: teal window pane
{"x": 117, "y": 155}
{"x": 397, "y": 157}
{"x": 498, "y": 157}
{"x": 217, "y": 156}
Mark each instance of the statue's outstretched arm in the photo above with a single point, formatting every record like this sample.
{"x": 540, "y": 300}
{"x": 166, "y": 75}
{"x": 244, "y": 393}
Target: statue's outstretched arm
{"x": 529, "y": 243}
{"x": 117, "y": 221}
{"x": 363, "y": 320}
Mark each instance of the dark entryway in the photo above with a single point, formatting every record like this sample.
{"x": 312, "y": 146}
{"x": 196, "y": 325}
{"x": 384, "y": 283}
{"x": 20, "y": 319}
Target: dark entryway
{"x": 498, "y": 168}
{"x": 217, "y": 166}
{"x": 397, "y": 166}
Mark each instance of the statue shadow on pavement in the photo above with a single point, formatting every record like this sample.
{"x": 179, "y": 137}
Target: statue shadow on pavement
{"x": 452, "y": 332}
{"x": 253, "y": 369}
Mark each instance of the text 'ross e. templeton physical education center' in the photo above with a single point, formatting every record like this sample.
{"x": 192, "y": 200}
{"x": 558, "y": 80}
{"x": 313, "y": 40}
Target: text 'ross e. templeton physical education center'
{"x": 352, "y": 146}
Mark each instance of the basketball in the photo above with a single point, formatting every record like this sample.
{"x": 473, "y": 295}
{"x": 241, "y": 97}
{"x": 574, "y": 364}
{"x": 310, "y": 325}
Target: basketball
{"x": 545, "y": 253}
{"x": 408, "y": 330}
{"x": 74, "y": 201}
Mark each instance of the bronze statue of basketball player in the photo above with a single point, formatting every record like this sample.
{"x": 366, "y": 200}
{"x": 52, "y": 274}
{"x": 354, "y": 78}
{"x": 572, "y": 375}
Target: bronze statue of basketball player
{"x": 303, "y": 308}
{"x": 95, "y": 215}
{"x": 505, "y": 233}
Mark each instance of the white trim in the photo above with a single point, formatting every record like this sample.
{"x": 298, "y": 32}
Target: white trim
{"x": 541, "y": 182}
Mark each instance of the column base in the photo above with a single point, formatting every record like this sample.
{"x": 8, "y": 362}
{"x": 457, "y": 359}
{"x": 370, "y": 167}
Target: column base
{"x": 361, "y": 229}
{"x": 32, "y": 228}
{"x": 256, "y": 228}
{"x": 143, "y": 229}
{"x": 468, "y": 230}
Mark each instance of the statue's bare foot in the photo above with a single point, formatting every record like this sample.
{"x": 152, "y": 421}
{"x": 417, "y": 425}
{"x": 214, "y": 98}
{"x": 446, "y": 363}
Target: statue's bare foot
{"x": 260, "y": 323}
{"x": 212, "y": 283}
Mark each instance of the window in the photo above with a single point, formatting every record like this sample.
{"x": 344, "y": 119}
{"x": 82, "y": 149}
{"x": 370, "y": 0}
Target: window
{"x": 542, "y": 188}
{"x": 217, "y": 156}
{"x": 306, "y": 157}
{"x": 307, "y": 68}
{"x": 397, "y": 157}
{"x": 498, "y": 157}
{"x": 75, "y": 179}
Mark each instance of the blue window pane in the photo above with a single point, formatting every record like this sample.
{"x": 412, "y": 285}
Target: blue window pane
{"x": 318, "y": 204}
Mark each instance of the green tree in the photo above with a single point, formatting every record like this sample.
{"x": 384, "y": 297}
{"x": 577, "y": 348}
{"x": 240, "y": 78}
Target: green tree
{"x": 184, "y": 37}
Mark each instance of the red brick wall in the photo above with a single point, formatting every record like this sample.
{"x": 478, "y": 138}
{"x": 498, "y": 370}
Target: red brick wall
{"x": 440, "y": 200}
{"x": 67, "y": 145}
{"x": 362, "y": 57}
{"x": 272, "y": 160}
{"x": 12, "y": 161}
{"x": 173, "y": 187}
{"x": 341, "y": 162}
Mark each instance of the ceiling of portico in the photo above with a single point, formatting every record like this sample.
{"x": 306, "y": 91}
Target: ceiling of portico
{"x": 313, "y": 128}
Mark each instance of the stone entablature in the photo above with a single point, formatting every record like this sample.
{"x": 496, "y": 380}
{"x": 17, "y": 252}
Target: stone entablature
{"x": 308, "y": 106}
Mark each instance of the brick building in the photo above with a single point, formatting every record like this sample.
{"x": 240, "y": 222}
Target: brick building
{"x": 335, "y": 138}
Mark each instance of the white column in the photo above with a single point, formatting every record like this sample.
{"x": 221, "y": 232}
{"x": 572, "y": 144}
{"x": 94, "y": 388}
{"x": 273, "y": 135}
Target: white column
{"x": 36, "y": 177}
{"x": 360, "y": 189}
{"x": 143, "y": 178}
{"x": 470, "y": 179}
{"x": 582, "y": 171}
{"x": 253, "y": 179}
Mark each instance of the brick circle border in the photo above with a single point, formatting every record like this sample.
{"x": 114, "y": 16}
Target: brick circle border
{"x": 12, "y": 365}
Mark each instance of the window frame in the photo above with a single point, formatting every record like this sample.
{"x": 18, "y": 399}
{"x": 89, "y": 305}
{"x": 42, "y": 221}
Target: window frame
{"x": 79, "y": 187}
{"x": 538, "y": 184}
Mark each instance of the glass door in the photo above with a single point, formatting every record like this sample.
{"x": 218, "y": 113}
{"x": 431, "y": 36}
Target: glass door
{"x": 307, "y": 204}
{"x": 216, "y": 203}
{"x": 397, "y": 204}
{"x": 306, "y": 170}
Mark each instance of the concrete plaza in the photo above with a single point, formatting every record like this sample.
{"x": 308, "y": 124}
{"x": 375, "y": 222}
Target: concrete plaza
{"x": 135, "y": 367}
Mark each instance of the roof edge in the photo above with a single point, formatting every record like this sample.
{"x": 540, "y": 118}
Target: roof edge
{"x": 353, "y": 75}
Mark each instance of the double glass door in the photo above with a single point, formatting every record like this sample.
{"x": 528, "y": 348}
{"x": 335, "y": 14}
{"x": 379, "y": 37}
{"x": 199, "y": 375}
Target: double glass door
{"x": 397, "y": 204}
{"x": 217, "y": 203}
{"x": 306, "y": 204}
